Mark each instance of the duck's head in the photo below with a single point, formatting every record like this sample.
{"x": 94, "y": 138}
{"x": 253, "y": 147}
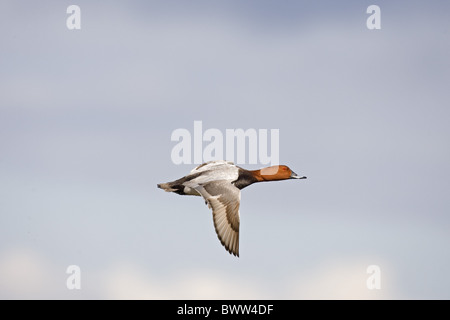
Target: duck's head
{"x": 280, "y": 172}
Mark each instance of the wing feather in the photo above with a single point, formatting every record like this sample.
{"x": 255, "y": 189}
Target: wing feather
{"x": 224, "y": 199}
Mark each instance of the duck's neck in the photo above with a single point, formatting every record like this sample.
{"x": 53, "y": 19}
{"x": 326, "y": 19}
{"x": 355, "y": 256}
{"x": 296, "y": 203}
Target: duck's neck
{"x": 248, "y": 177}
{"x": 266, "y": 174}
{"x": 257, "y": 175}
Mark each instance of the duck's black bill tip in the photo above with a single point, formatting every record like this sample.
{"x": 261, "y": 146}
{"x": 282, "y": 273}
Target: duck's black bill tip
{"x": 297, "y": 177}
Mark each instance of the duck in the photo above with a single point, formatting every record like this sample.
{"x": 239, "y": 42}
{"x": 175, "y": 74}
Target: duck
{"x": 220, "y": 183}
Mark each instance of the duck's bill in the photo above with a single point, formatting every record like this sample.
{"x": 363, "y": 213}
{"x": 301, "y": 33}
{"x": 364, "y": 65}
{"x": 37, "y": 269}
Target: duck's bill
{"x": 295, "y": 176}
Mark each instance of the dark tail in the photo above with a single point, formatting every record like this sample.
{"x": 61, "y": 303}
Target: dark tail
{"x": 166, "y": 187}
{"x": 177, "y": 186}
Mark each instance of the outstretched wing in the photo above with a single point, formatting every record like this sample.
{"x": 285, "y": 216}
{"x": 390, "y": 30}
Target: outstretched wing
{"x": 224, "y": 200}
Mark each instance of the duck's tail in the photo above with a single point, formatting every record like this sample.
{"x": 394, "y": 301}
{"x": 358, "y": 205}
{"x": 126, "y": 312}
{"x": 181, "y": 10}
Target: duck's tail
{"x": 166, "y": 187}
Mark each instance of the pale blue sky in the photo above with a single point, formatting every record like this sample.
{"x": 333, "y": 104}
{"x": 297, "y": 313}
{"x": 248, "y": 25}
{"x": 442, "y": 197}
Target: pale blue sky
{"x": 86, "y": 119}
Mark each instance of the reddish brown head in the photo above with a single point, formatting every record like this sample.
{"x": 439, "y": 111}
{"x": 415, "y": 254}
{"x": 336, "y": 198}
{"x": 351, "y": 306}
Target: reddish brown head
{"x": 274, "y": 173}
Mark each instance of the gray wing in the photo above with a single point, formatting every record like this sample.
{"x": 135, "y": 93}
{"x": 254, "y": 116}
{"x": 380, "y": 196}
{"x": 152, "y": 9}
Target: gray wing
{"x": 224, "y": 199}
{"x": 212, "y": 165}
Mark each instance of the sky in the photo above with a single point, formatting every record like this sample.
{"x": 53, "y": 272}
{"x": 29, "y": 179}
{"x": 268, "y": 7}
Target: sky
{"x": 86, "y": 118}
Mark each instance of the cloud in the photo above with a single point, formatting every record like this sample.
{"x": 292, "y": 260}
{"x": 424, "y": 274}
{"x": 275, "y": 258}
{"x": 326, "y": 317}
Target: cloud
{"x": 131, "y": 281}
{"x": 343, "y": 279}
{"x": 24, "y": 274}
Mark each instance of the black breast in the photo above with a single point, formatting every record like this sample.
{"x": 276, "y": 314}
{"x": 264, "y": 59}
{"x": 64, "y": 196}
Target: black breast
{"x": 244, "y": 179}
